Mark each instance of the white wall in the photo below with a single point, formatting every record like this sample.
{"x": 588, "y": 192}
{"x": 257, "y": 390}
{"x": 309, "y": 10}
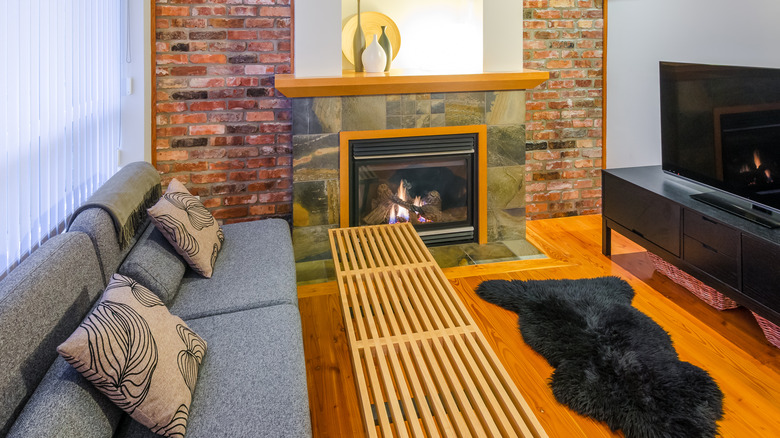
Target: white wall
{"x": 317, "y": 38}
{"x": 643, "y": 32}
{"x": 136, "y": 107}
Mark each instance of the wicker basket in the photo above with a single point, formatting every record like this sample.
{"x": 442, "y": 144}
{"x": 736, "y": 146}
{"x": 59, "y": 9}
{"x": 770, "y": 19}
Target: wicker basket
{"x": 771, "y": 330}
{"x": 701, "y": 290}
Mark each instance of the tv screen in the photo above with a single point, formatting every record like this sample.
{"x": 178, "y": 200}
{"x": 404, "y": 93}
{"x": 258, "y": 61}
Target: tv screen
{"x": 720, "y": 126}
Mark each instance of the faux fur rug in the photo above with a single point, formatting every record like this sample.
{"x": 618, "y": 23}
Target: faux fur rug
{"x": 612, "y": 362}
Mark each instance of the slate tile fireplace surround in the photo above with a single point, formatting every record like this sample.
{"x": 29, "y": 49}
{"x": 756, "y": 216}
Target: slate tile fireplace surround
{"x": 319, "y": 121}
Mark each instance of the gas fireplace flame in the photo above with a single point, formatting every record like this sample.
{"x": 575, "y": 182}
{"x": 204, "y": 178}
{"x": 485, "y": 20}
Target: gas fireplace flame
{"x": 399, "y": 213}
{"x": 759, "y": 171}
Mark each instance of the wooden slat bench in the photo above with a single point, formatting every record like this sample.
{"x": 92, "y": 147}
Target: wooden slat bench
{"x": 421, "y": 365}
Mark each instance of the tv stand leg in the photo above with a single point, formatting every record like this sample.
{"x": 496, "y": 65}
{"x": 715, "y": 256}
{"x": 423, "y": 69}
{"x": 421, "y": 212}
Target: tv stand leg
{"x": 606, "y": 238}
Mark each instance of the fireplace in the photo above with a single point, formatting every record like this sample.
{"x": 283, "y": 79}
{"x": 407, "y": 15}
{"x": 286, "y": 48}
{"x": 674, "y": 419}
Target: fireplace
{"x": 324, "y": 126}
{"x": 429, "y": 181}
{"x": 433, "y": 178}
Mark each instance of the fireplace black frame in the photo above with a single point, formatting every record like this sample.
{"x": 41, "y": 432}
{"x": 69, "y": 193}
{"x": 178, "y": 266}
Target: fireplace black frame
{"x": 368, "y": 151}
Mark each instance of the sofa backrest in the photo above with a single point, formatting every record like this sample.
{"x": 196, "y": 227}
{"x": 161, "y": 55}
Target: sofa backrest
{"x": 42, "y": 302}
{"x": 95, "y": 221}
{"x": 98, "y": 225}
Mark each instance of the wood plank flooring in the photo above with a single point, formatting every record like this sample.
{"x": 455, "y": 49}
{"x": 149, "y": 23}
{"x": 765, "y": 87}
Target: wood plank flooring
{"x": 729, "y": 344}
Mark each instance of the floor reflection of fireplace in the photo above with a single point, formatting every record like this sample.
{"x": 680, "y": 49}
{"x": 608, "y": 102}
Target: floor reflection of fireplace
{"x": 429, "y": 181}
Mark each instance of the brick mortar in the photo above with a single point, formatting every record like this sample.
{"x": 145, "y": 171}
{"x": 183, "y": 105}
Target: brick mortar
{"x": 564, "y": 115}
{"x": 222, "y": 128}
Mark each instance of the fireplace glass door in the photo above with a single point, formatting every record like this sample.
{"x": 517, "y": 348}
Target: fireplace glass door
{"x": 432, "y": 187}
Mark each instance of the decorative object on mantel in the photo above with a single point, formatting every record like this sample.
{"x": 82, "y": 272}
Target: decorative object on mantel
{"x": 612, "y": 362}
{"x": 374, "y": 57}
{"x": 387, "y": 47}
{"x": 358, "y": 42}
{"x": 372, "y": 23}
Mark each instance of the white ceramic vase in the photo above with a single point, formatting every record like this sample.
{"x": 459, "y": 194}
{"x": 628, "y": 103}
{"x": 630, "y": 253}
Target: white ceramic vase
{"x": 374, "y": 57}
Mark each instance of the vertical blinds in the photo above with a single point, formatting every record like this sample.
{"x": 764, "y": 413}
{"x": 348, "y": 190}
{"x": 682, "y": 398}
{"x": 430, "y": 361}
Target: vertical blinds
{"x": 59, "y": 114}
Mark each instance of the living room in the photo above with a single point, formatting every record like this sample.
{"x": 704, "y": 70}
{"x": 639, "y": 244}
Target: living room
{"x": 214, "y": 109}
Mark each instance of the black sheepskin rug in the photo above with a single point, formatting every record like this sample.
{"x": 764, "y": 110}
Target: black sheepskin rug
{"x": 612, "y": 362}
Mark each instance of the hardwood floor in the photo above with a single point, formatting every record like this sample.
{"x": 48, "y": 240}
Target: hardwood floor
{"x": 729, "y": 344}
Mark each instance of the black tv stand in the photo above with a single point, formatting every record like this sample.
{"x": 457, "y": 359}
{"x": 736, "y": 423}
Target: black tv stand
{"x": 734, "y": 255}
{"x": 760, "y": 216}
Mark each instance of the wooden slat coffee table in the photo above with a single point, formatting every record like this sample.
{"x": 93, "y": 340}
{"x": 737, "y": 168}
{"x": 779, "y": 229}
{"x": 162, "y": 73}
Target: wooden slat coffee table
{"x": 421, "y": 365}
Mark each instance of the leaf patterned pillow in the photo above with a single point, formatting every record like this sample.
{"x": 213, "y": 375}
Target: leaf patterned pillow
{"x": 139, "y": 355}
{"x": 189, "y": 226}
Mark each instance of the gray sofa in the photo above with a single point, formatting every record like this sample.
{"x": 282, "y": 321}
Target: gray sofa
{"x": 252, "y": 381}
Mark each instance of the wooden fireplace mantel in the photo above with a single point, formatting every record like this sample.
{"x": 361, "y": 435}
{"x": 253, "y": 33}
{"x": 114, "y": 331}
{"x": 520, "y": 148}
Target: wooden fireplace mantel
{"x": 406, "y": 82}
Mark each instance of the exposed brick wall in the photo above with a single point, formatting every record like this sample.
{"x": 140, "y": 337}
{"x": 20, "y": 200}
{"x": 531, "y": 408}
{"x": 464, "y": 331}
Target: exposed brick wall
{"x": 225, "y": 131}
{"x": 564, "y": 115}
{"x": 222, "y": 129}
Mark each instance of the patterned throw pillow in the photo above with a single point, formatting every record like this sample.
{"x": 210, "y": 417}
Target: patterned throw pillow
{"x": 139, "y": 355}
{"x": 189, "y": 226}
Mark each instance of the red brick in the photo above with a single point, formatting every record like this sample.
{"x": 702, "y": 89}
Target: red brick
{"x": 240, "y": 200}
{"x": 227, "y": 165}
{"x": 243, "y": 11}
{"x": 244, "y": 152}
{"x": 204, "y": 178}
{"x": 180, "y": 119}
{"x": 230, "y": 212}
{"x": 172, "y": 131}
{"x": 207, "y": 106}
{"x": 181, "y": 11}
{"x": 188, "y": 71}
{"x": 208, "y": 59}
{"x": 207, "y": 129}
{"x": 190, "y": 166}
{"x": 211, "y": 203}
{"x": 170, "y": 107}
{"x": 270, "y": 11}
{"x": 261, "y": 210}
{"x": 207, "y": 82}
{"x": 260, "y": 22}
{"x": 209, "y": 10}
{"x": 242, "y": 35}
{"x": 227, "y": 46}
{"x": 171, "y": 59}
{"x": 260, "y": 116}
{"x": 171, "y": 155}
{"x": 227, "y": 22}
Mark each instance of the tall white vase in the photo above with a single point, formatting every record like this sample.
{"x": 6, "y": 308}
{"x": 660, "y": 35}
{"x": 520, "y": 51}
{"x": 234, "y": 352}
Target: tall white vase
{"x": 374, "y": 57}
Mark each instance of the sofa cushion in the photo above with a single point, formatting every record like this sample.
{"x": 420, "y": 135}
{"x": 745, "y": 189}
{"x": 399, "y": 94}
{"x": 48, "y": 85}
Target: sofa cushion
{"x": 41, "y": 302}
{"x": 138, "y": 354}
{"x": 255, "y": 268}
{"x": 65, "y": 404}
{"x": 154, "y": 263}
{"x": 252, "y": 382}
{"x": 189, "y": 226}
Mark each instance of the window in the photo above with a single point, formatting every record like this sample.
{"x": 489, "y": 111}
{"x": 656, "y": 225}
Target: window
{"x": 59, "y": 114}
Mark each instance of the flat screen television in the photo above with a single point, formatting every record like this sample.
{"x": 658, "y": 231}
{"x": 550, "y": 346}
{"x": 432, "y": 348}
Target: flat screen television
{"x": 720, "y": 126}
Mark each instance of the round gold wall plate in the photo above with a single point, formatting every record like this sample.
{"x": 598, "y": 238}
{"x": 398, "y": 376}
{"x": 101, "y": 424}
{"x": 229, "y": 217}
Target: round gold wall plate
{"x": 372, "y": 23}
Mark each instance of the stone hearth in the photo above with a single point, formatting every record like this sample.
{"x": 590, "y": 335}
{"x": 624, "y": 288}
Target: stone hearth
{"x": 316, "y": 125}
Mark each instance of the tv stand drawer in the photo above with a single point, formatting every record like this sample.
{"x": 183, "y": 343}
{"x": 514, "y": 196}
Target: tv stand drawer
{"x": 644, "y": 213}
{"x": 711, "y": 261}
{"x": 711, "y": 233}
